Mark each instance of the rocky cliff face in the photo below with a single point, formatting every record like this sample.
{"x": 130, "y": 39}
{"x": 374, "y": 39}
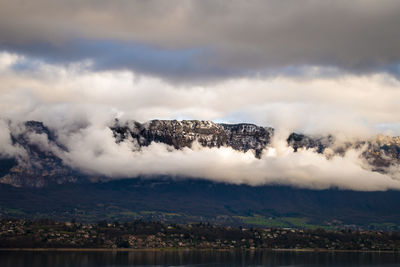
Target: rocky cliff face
{"x": 380, "y": 153}
{"x": 40, "y": 163}
{"x": 383, "y": 152}
{"x": 179, "y": 134}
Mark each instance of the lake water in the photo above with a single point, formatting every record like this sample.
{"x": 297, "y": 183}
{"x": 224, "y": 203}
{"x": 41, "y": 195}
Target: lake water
{"x": 194, "y": 258}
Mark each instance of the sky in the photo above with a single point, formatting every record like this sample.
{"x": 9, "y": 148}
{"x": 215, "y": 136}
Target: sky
{"x": 318, "y": 67}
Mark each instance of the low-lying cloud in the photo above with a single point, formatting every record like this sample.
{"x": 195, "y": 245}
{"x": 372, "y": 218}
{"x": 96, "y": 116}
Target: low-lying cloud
{"x": 93, "y": 150}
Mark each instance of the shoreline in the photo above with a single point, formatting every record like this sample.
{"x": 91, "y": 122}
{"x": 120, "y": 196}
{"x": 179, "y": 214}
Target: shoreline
{"x": 308, "y": 250}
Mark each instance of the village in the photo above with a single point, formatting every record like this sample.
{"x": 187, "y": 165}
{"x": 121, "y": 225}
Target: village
{"x": 158, "y": 235}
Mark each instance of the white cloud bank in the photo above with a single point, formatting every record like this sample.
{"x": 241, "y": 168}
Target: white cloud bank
{"x": 94, "y": 151}
{"x": 350, "y": 105}
{"x": 79, "y": 104}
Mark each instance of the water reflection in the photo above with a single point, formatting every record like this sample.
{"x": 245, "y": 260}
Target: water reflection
{"x": 193, "y": 258}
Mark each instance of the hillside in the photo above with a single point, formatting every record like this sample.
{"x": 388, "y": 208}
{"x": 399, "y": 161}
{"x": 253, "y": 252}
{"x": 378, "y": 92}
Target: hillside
{"x": 196, "y": 200}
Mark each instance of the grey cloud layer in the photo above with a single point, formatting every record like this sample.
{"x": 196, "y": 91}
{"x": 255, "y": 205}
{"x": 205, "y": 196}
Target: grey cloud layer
{"x": 235, "y": 38}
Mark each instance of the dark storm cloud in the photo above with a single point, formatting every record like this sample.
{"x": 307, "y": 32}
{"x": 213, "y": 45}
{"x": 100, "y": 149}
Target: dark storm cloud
{"x": 208, "y": 39}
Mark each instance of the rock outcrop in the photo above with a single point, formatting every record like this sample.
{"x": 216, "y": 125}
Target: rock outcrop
{"x": 179, "y": 134}
{"x": 380, "y": 153}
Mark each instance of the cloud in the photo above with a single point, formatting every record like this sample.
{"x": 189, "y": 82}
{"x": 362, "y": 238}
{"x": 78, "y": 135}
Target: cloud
{"x": 94, "y": 150}
{"x": 180, "y": 65}
{"x": 7, "y": 149}
{"x": 91, "y": 148}
{"x": 208, "y": 39}
{"x": 353, "y": 106}
{"x": 78, "y": 104}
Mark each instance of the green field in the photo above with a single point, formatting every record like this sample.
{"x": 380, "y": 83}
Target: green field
{"x": 282, "y": 222}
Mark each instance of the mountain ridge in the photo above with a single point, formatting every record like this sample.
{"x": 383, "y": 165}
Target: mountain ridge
{"x": 39, "y": 166}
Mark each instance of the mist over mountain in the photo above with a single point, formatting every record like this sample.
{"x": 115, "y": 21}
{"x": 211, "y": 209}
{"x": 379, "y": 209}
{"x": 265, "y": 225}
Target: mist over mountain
{"x": 34, "y": 154}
